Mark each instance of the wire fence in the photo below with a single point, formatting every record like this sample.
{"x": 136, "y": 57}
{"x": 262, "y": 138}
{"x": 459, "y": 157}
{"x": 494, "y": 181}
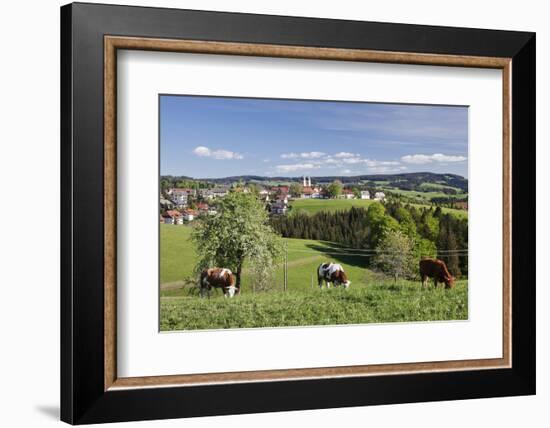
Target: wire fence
{"x": 359, "y": 252}
{"x": 377, "y": 253}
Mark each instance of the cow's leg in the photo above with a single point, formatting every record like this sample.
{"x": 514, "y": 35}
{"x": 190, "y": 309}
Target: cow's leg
{"x": 424, "y": 281}
{"x": 435, "y": 282}
{"x": 328, "y": 285}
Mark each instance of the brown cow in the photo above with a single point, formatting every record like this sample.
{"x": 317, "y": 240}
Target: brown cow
{"x": 332, "y": 272}
{"x": 218, "y": 278}
{"x": 436, "y": 269}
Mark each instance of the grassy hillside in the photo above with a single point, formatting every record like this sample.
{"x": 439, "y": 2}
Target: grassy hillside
{"x": 370, "y": 298}
{"x": 177, "y": 253}
{"x": 430, "y": 191}
{"x": 311, "y": 206}
{"x": 380, "y": 302}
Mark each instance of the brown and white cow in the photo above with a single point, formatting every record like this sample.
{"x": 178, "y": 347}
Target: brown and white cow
{"x": 218, "y": 278}
{"x": 436, "y": 269}
{"x": 332, "y": 272}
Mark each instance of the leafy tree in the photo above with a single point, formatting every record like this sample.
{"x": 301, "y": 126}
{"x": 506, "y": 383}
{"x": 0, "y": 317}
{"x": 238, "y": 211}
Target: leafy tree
{"x": 164, "y": 185}
{"x": 254, "y": 189}
{"x": 295, "y": 189}
{"x": 447, "y": 243}
{"x": 394, "y": 254}
{"x": 378, "y": 223}
{"x": 239, "y": 232}
{"x": 335, "y": 188}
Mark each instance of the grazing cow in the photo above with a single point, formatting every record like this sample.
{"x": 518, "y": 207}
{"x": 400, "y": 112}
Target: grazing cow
{"x": 218, "y": 278}
{"x": 436, "y": 269}
{"x": 332, "y": 272}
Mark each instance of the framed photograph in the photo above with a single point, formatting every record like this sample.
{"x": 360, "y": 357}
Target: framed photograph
{"x": 266, "y": 213}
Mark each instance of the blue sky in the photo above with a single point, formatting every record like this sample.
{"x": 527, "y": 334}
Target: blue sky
{"x": 212, "y": 137}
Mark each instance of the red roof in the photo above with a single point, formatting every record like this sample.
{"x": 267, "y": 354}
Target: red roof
{"x": 172, "y": 213}
{"x": 191, "y": 212}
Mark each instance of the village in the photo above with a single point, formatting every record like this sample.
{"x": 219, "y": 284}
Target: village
{"x": 184, "y": 205}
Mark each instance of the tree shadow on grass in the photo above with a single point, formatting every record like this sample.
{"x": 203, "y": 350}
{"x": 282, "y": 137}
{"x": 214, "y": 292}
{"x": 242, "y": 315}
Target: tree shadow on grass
{"x": 335, "y": 252}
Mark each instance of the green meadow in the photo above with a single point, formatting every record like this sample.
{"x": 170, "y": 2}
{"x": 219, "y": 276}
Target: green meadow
{"x": 312, "y": 206}
{"x": 372, "y": 297}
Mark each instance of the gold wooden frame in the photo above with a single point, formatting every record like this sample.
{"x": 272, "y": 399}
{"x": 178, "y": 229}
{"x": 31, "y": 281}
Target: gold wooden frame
{"x": 113, "y": 43}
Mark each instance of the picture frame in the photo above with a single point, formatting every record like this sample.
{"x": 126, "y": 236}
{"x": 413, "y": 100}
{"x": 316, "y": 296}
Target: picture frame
{"x": 91, "y": 391}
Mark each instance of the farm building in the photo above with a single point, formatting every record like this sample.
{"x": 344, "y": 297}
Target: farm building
{"x": 219, "y": 192}
{"x": 365, "y": 194}
{"x": 189, "y": 215}
{"x": 172, "y": 217}
{"x": 278, "y": 207}
{"x": 166, "y": 204}
{"x": 202, "y": 207}
{"x": 307, "y": 193}
{"x": 379, "y": 196}
{"x": 348, "y": 194}
{"x": 264, "y": 195}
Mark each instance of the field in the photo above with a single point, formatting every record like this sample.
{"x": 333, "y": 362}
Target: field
{"x": 425, "y": 196}
{"x": 312, "y": 206}
{"x": 370, "y": 298}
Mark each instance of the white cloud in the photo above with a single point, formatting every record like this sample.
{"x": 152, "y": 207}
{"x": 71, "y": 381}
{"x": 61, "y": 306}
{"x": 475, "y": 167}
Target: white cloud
{"x": 342, "y": 162}
{"x": 351, "y": 161}
{"x": 304, "y": 155}
{"x": 436, "y": 157}
{"x": 295, "y": 167}
{"x": 386, "y": 169}
{"x": 220, "y": 154}
{"x": 375, "y": 163}
{"x": 345, "y": 155}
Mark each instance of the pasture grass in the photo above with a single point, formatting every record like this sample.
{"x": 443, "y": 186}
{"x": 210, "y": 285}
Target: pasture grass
{"x": 371, "y": 298}
{"x": 312, "y": 206}
{"x": 380, "y": 302}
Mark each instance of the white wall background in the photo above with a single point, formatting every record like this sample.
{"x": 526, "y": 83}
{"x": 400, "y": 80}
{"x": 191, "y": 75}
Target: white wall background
{"x": 29, "y": 254}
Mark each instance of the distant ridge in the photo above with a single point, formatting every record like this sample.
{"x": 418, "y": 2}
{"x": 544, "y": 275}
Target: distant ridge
{"x": 404, "y": 179}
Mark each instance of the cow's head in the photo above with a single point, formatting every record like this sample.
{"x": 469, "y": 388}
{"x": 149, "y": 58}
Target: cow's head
{"x": 449, "y": 281}
{"x": 342, "y": 278}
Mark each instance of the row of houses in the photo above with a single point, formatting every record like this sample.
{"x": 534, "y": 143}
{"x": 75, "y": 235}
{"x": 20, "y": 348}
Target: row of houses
{"x": 277, "y": 198}
{"x": 179, "y": 197}
{"x": 174, "y": 216}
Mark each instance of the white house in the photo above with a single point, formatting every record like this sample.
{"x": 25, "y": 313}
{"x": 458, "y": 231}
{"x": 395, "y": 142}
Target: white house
{"x": 379, "y": 196}
{"x": 348, "y": 194}
{"x": 179, "y": 197}
{"x": 219, "y": 192}
{"x": 189, "y": 215}
{"x": 264, "y": 195}
{"x": 279, "y": 207}
{"x": 365, "y": 194}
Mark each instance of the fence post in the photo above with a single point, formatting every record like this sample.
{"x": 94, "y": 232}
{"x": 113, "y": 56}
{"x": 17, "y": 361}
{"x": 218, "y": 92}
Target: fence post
{"x": 286, "y": 268}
